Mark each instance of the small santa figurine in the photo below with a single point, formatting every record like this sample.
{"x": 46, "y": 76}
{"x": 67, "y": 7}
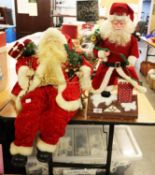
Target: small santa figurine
{"x": 117, "y": 50}
{"x": 48, "y": 96}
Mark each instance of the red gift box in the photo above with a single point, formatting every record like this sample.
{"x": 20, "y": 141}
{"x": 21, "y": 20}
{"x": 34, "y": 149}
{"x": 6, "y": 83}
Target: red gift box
{"x": 125, "y": 92}
{"x": 17, "y": 50}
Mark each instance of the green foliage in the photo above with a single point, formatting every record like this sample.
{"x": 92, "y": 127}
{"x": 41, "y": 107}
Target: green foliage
{"x": 75, "y": 59}
{"x": 124, "y": 59}
{"x": 29, "y": 49}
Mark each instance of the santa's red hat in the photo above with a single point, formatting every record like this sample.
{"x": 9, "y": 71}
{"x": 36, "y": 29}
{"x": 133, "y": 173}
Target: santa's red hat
{"x": 122, "y": 9}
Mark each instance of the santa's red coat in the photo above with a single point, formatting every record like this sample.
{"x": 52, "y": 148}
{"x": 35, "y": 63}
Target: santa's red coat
{"x": 40, "y": 111}
{"x": 130, "y": 49}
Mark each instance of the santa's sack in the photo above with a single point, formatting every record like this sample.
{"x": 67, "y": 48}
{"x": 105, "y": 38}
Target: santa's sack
{"x": 146, "y": 66}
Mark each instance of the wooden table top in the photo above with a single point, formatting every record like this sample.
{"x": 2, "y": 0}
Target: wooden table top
{"x": 146, "y": 113}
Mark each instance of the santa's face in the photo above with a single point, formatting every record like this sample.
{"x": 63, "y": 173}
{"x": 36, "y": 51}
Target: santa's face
{"x": 118, "y": 24}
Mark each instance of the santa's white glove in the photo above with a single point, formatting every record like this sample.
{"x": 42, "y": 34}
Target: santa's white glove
{"x": 84, "y": 77}
{"x": 24, "y": 74}
{"x": 132, "y": 60}
{"x": 103, "y": 54}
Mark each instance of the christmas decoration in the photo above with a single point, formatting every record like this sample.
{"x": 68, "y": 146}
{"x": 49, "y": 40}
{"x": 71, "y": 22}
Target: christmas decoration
{"x": 45, "y": 96}
{"x": 117, "y": 50}
{"x": 124, "y": 92}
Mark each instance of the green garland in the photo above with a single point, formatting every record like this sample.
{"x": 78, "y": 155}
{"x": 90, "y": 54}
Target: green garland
{"x": 75, "y": 60}
{"x": 29, "y": 49}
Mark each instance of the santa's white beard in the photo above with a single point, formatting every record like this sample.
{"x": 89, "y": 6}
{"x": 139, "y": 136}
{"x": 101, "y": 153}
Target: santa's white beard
{"x": 119, "y": 37}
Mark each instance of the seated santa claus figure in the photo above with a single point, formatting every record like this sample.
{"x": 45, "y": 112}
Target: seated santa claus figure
{"x": 117, "y": 50}
{"x": 50, "y": 98}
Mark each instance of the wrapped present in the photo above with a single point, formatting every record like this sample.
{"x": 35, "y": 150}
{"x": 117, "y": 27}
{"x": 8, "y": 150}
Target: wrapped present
{"x": 17, "y": 50}
{"x": 27, "y": 48}
{"x": 125, "y": 91}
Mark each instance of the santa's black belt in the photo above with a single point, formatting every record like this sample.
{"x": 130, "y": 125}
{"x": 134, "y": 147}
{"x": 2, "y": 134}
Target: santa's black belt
{"x": 116, "y": 64}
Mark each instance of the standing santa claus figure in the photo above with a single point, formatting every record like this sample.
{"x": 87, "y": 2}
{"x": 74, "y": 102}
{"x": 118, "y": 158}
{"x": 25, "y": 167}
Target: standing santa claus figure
{"x": 117, "y": 50}
{"x": 47, "y": 98}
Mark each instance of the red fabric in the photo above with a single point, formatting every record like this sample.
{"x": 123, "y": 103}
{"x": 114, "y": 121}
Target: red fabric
{"x": 121, "y": 9}
{"x": 70, "y": 30}
{"x": 131, "y": 49}
{"x": 31, "y": 62}
{"x": 72, "y": 91}
{"x": 27, "y": 41}
{"x": 44, "y": 115}
{"x": 41, "y": 114}
{"x": 69, "y": 41}
{"x": 40, "y": 111}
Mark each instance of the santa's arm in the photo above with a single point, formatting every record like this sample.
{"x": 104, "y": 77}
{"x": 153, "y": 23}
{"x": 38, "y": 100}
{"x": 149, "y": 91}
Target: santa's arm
{"x": 85, "y": 75}
{"x": 134, "y": 51}
{"x": 24, "y": 75}
{"x": 101, "y": 53}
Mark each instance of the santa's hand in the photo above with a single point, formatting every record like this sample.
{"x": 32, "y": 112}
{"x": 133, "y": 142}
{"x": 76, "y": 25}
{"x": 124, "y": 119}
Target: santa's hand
{"x": 24, "y": 74}
{"x": 103, "y": 54}
{"x": 84, "y": 77}
{"x": 34, "y": 83}
{"x": 132, "y": 60}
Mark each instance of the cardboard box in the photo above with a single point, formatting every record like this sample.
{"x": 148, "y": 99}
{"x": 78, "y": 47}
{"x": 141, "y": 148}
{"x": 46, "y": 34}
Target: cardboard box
{"x": 2, "y": 39}
{"x": 3, "y": 68}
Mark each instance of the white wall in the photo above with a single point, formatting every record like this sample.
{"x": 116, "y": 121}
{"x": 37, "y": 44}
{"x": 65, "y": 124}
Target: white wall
{"x": 146, "y": 10}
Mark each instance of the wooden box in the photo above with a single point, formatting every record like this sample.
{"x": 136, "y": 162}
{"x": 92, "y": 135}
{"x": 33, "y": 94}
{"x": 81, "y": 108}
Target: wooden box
{"x": 117, "y": 111}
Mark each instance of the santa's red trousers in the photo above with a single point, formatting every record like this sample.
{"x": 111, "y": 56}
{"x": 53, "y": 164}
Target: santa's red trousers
{"x": 40, "y": 112}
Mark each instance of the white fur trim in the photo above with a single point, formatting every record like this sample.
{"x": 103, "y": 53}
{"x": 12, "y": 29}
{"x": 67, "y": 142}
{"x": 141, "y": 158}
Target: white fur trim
{"x": 85, "y": 80}
{"x": 66, "y": 105}
{"x": 37, "y": 77}
{"x": 18, "y": 100}
{"x": 43, "y": 146}
{"x": 23, "y": 76}
{"x": 26, "y": 151}
{"x": 101, "y": 54}
{"x": 104, "y": 82}
{"x": 130, "y": 80}
{"x": 117, "y": 17}
{"x": 132, "y": 60}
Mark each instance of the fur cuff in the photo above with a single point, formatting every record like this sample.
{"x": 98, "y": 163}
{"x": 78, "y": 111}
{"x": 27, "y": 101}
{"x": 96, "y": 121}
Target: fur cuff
{"x": 132, "y": 60}
{"x": 43, "y": 146}
{"x": 101, "y": 54}
{"x": 23, "y": 78}
{"x": 66, "y": 105}
{"x": 18, "y": 100}
{"x": 26, "y": 151}
{"x": 85, "y": 79}
{"x": 117, "y": 17}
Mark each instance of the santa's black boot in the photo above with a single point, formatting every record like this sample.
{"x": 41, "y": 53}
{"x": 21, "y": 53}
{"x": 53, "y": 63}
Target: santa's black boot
{"x": 19, "y": 160}
{"x": 105, "y": 94}
{"x": 44, "y": 156}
